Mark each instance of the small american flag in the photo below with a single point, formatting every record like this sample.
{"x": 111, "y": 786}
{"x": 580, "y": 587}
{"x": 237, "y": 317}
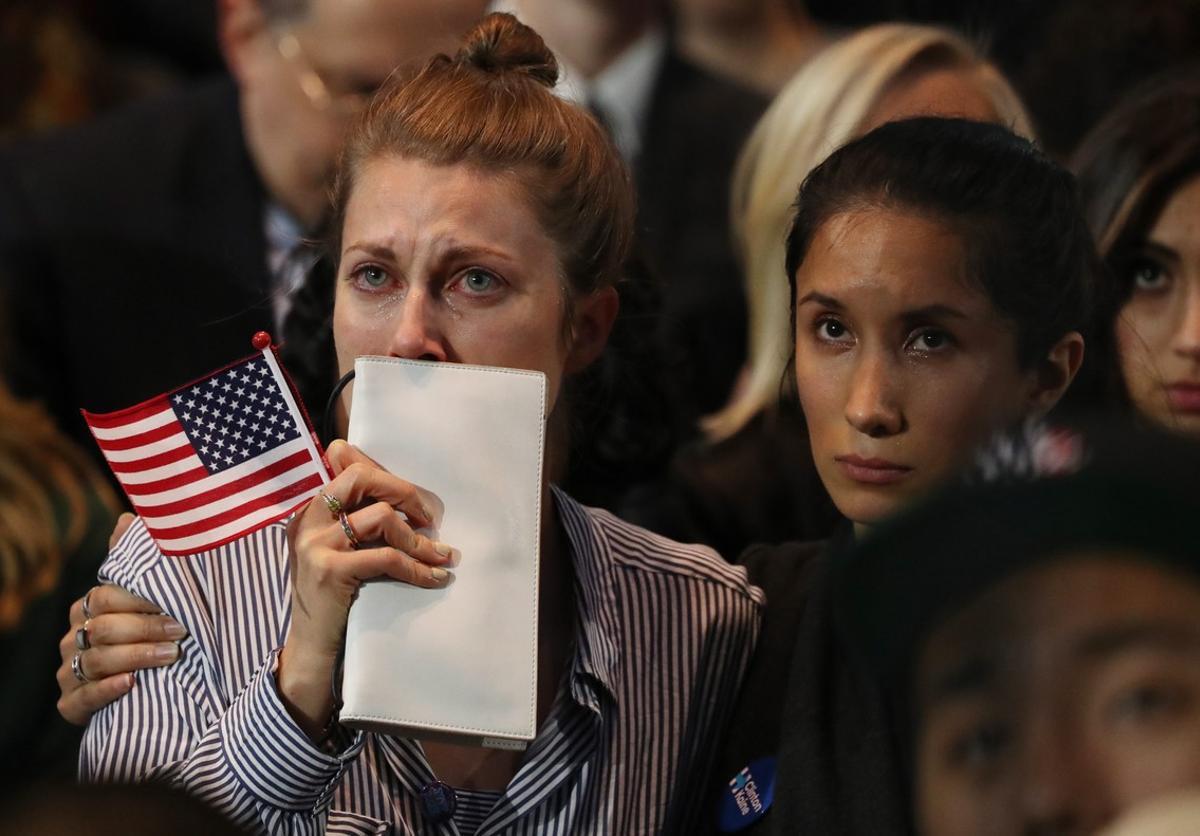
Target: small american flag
{"x": 216, "y": 459}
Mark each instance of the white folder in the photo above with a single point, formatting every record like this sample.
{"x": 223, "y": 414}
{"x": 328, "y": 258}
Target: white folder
{"x": 458, "y": 663}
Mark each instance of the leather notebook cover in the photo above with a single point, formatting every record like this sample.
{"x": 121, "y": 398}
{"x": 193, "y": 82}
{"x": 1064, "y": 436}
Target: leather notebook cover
{"x": 457, "y": 663}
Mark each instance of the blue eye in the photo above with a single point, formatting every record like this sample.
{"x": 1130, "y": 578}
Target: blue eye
{"x": 371, "y": 276}
{"x": 479, "y": 281}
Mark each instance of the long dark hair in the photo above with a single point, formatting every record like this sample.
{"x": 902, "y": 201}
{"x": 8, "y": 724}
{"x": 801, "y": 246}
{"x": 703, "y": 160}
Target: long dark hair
{"x": 1016, "y": 212}
{"x": 1128, "y": 167}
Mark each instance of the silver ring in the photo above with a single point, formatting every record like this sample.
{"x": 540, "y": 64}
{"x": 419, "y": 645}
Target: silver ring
{"x": 77, "y": 667}
{"x": 332, "y": 502}
{"x": 87, "y": 603}
{"x": 350, "y": 535}
{"x": 83, "y": 638}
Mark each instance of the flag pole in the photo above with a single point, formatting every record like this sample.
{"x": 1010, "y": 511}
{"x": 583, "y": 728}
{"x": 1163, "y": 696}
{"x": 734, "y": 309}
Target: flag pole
{"x": 262, "y": 342}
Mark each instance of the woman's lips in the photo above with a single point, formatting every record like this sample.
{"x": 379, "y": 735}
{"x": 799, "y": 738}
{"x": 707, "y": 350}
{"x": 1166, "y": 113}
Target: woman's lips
{"x": 1184, "y": 397}
{"x": 872, "y": 471}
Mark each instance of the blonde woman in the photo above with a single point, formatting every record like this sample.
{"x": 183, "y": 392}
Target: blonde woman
{"x": 753, "y": 481}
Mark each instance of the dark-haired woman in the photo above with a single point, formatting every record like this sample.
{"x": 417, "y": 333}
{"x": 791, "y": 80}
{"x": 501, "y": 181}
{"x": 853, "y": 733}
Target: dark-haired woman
{"x": 482, "y": 220}
{"x": 941, "y": 273}
{"x": 1139, "y": 173}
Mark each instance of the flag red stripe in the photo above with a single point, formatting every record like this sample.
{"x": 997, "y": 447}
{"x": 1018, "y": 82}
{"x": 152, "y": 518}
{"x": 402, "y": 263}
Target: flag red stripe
{"x": 170, "y": 483}
{"x": 149, "y": 437}
{"x": 151, "y": 462}
{"x": 261, "y": 475}
{"x": 209, "y": 523}
{"x": 112, "y": 420}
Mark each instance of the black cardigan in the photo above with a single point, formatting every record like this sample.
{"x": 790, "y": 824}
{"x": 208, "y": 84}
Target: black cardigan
{"x": 839, "y": 768}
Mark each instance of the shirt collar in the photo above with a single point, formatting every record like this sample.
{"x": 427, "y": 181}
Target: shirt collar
{"x": 599, "y": 637}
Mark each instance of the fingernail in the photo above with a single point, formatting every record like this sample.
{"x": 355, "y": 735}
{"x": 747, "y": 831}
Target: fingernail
{"x": 426, "y": 513}
{"x": 166, "y": 652}
{"x": 174, "y": 630}
{"x": 439, "y": 574}
{"x": 442, "y": 548}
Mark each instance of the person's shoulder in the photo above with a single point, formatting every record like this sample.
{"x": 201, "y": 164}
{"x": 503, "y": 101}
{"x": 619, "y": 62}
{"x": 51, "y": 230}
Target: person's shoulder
{"x": 787, "y": 568}
{"x": 634, "y": 549}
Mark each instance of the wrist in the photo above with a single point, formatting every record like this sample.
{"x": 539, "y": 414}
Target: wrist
{"x": 305, "y": 688}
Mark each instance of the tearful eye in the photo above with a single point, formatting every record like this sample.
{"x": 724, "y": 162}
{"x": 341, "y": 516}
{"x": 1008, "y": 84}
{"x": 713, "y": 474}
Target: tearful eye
{"x": 371, "y": 276}
{"x": 479, "y": 281}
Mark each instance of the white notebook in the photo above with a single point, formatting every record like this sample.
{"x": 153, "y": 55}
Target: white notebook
{"x": 458, "y": 663}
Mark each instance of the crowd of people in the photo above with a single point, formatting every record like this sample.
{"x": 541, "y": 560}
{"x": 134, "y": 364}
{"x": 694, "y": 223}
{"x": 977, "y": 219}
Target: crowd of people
{"x": 873, "y": 425}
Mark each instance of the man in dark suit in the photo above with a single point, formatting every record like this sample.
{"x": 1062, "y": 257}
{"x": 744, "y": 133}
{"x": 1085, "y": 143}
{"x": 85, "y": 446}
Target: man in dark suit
{"x": 141, "y": 251}
{"x": 680, "y": 128}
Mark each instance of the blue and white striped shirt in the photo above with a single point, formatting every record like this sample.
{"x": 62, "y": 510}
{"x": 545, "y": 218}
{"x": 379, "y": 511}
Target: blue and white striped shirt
{"x": 663, "y": 637}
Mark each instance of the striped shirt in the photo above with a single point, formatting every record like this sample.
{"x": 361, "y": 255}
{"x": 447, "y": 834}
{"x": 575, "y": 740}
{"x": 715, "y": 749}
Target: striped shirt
{"x": 663, "y": 635}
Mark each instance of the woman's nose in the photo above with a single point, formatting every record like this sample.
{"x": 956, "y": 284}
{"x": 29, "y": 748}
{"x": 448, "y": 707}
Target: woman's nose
{"x": 1187, "y": 338}
{"x": 872, "y": 407}
{"x": 417, "y": 334}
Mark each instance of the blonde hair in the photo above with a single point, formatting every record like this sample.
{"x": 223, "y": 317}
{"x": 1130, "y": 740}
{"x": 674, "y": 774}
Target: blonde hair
{"x": 819, "y": 110}
{"x": 50, "y": 494}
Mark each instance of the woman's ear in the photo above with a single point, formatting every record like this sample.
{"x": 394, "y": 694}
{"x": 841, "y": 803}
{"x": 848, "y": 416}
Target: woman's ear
{"x": 239, "y": 22}
{"x": 1054, "y": 373}
{"x": 593, "y": 321}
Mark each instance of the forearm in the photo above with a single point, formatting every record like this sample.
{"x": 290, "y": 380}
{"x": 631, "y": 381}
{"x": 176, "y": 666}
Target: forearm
{"x": 248, "y": 759}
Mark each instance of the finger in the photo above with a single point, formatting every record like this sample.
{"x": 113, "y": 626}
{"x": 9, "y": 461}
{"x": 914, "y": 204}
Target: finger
{"x": 108, "y": 598}
{"x": 101, "y": 662}
{"x": 123, "y": 522}
{"x": 381, "y": 523}
{"x": 133, "y": 628}
{"x": 80, "y": 704}
{"x": 386, "y": 562}
{"x": 362, "y": 481}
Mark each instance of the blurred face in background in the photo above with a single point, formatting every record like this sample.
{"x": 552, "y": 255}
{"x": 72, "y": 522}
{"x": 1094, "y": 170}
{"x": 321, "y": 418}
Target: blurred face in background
{"x": 903, "y": 363}
{"x": 1158, "y": 329}
{"x": 1061, "y": 697}
{"x": 303, "y": 78}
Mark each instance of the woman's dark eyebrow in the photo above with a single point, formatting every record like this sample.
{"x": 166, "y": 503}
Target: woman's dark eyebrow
{"x": 1154, "y": 249}
{"x": 936, "y": 311}
{"x": 820, "y": 299}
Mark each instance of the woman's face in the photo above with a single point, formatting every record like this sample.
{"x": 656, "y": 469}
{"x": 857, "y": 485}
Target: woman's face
{"x": 1158, "y": 329}
{"x": 903, "y": 364}
{"x": 450, "y": 263}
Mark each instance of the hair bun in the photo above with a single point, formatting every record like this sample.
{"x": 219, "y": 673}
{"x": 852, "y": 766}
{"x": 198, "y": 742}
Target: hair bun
{"x": 500, "y": 44}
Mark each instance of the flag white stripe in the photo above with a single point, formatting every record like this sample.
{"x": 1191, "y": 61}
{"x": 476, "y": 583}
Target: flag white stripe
{"x": 220, "y": 506}
{"x": 165, "y": 445}
{"x": 294, "y": 409}
{"x": 203, "y": 540}
{"x": 166, "y": 416}
{"x": 234, "y": 473}
{"x": 164, "y": 472}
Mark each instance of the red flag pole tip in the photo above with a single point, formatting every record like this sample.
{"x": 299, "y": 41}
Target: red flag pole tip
{"x": 261, "y": 341}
